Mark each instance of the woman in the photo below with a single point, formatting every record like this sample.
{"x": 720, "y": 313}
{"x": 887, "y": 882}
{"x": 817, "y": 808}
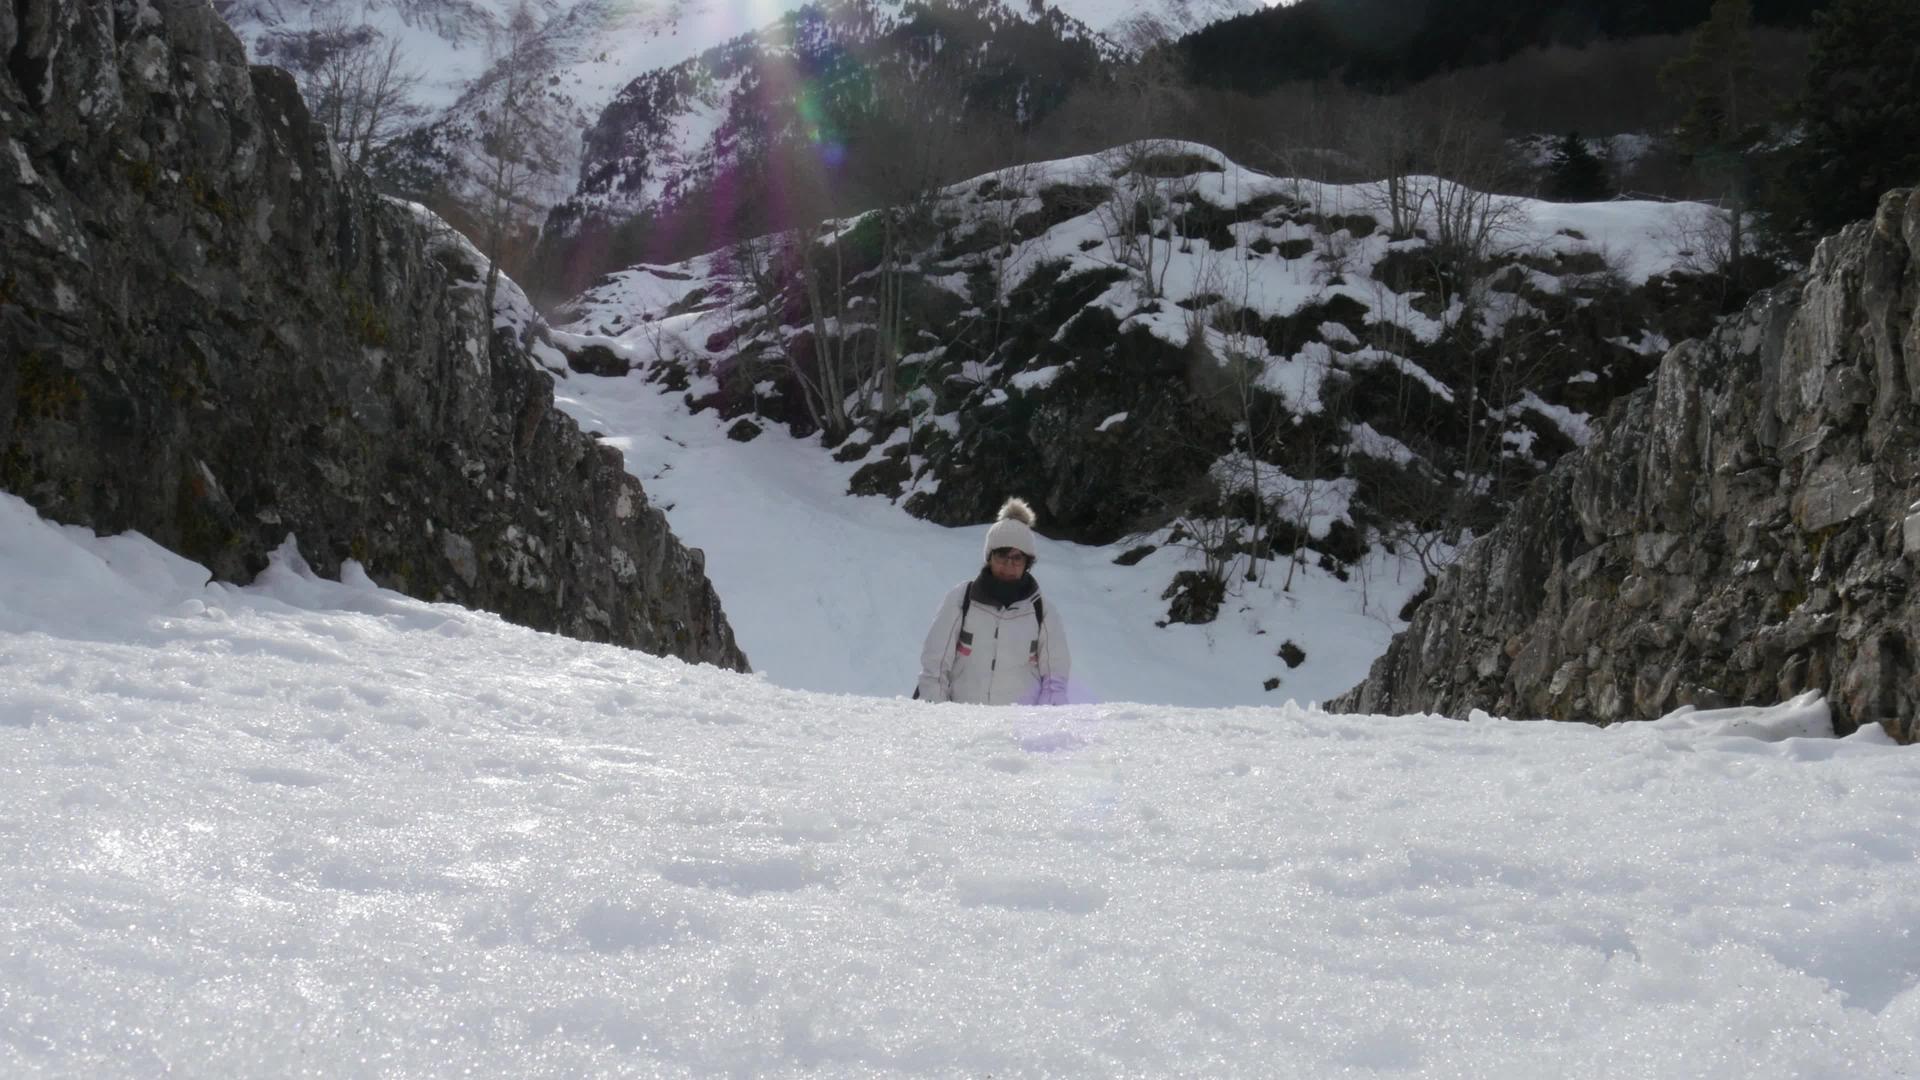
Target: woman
{"x": 993, "y": 641}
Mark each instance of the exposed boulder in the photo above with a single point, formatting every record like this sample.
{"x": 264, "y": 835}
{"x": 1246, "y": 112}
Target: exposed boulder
{"x": 1740, "y": 530}
{"x": 215, "y": 334}
{"x": 1156, "y": 345}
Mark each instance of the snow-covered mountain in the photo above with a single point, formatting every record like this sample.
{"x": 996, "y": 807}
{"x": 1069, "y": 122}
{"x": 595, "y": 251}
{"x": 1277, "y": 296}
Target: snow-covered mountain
{"x": 1136, "y": 23}
{"x": 834, "y": 89}
{"x": 593, "y": 48}
{"x": 1251, "y": 382}
{"x": 602, "y": 45}
{"x": 597, "y": 47}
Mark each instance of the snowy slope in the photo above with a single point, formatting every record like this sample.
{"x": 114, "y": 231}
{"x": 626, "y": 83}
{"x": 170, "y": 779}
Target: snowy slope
{"x": 317, "y": 829}
{"x": 799, "y": 580}
{"x": 827, "y": 592}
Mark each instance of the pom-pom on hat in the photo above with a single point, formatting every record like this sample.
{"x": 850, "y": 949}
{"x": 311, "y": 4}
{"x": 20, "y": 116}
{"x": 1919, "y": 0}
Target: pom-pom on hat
{"x": 1013, "y": 529}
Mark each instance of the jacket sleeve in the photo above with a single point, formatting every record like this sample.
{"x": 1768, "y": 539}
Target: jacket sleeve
{"x": 936, "y": 656}
{"x": 1056, "y": 660}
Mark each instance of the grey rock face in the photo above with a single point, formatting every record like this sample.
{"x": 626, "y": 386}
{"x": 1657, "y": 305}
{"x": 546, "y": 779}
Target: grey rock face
{"x": 1740, "y": 531}
{"x": 212, "y": 333}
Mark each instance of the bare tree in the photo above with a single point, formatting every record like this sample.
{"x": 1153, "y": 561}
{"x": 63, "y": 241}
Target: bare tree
{"x": 357, "y": 85}
{"x": 1151, "y": 183}
{"x": 1388, "y": 148}
{"x": 1468, "y": 158}
{"x": 823, "y": 276}
{"x": 1438, "y": 163}
{"x": 1702, "y": 241}
{"x": 916, "y": 110}
{"x": 1006, "y": 252}
{"x": 1283, "y": 502}
{"x": 771, "y": 266}
{"x": 517, "y": 142}
{"x": 853, "y": 274}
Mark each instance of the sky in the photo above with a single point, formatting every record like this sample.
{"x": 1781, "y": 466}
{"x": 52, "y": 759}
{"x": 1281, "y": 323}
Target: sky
{"x": 315, "y": 828}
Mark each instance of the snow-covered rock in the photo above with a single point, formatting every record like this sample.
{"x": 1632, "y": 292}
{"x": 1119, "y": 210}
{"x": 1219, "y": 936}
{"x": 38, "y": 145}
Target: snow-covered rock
{"x": 1733, "y": 533}
{"x": 1290, "y": 373}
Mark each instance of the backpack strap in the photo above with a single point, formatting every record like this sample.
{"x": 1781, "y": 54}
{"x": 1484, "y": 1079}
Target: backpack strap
{"x": 963, "y": 641}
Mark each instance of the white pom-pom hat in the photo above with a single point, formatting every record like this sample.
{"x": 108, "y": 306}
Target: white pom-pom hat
{"x": 1013, "y": 529}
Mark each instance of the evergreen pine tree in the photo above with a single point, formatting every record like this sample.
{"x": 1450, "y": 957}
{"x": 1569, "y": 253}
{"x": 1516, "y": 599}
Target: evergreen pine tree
{"x": 1575, "y": 174}
{"x": 1714, "y": 80}
{"x": 1718, "y": 93}
{"x": 1860, "y": 114}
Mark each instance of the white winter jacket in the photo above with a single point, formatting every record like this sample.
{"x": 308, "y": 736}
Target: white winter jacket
{"x": 1000, "y": 656}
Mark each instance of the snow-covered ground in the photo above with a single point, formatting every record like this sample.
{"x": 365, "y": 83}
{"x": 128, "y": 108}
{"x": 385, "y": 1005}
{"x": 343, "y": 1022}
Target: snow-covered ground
{"x": 310, "y": 828}
{"x": 827, "y": 592}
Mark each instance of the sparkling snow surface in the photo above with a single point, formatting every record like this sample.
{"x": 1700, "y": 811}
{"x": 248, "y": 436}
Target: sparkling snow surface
{"x": 318, "y": 829}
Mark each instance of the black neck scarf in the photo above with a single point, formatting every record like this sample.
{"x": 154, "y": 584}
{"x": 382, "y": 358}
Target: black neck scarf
{"x": 990, "y": 590}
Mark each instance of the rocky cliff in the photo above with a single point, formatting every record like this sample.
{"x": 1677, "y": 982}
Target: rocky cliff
{"x": 213, "y": 333}
{"x": 1742, "y": 529}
